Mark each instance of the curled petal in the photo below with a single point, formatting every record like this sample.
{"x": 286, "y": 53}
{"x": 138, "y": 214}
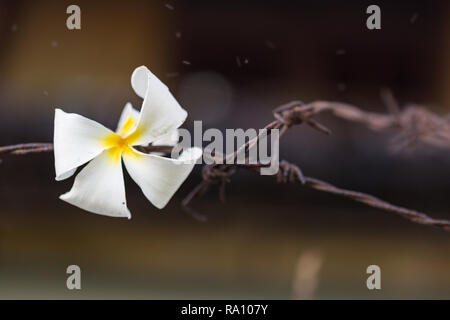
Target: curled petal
{"x": 99, "y": 187}
{"x": 159, "y": 177}
{"x": 160, "y": 112}
{"x": 76, "y": 141}
{"x": 128, "y": 120}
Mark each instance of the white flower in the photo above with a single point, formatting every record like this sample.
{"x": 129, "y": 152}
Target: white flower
{"x": 99, "y": 187}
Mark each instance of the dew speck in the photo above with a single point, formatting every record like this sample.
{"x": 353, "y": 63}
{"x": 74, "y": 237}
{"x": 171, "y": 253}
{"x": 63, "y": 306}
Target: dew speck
{"x": 45, "y": 93}
{"x": 14, "y": 28}
{"x": 239, "y": 62}
{"x": 54, "y": 44}
{"x": 185, "y": 62}
{"x": 169, "y": 6}
{"x": 178, "y": 34}
{"x": 414, "y": 18}
{"x": 340, "y": 52}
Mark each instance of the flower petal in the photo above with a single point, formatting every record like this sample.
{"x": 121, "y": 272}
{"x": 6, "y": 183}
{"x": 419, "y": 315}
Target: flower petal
{"x": 99, "y": 187}
{"x": 160, "y": 112}
{"x": 66, "y": 175}
{"x": 169, "y": 139}
{"x": 128, "y": 120}
{"x": 159, "y": 177}
{"x": 76, "y": 141}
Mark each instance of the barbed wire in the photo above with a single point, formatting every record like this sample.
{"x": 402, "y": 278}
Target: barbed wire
{"x": 415, "y": 123}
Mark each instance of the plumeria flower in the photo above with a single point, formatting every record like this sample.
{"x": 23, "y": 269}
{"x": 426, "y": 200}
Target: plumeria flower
{"x": 99, "y": 187}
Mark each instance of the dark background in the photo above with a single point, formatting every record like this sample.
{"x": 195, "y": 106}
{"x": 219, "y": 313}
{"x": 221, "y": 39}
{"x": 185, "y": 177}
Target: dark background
{"x": 229, "y": 64}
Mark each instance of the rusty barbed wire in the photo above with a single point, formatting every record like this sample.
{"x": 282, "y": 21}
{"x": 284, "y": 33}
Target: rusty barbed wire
{"x": 26, "y": 148}
{"x": 423, "y": 124}
{"x": 415, "y": 123}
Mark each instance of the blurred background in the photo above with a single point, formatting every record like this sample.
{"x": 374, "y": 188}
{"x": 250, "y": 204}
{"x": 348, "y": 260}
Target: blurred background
{"x": 229, "y": 63}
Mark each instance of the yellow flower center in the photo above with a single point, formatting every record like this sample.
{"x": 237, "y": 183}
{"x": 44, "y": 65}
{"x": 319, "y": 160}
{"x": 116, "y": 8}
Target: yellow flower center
{"x": 116, "y": 144}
